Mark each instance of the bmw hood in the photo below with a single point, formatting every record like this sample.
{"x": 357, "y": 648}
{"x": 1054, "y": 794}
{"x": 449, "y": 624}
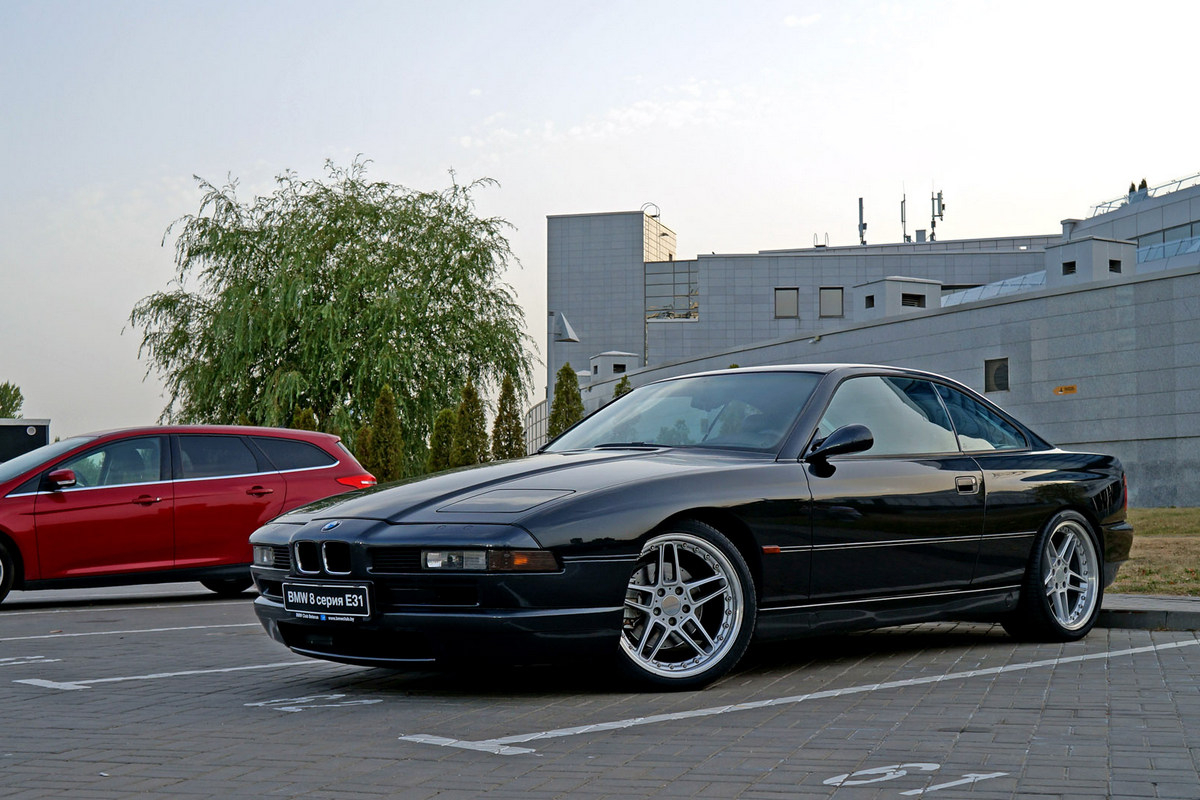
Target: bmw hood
{"x": 508, "y": 491}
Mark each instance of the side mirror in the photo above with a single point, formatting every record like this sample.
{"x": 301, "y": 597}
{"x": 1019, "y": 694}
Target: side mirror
{"x": 846, "y": 439}
{"x": 61, "y": 478}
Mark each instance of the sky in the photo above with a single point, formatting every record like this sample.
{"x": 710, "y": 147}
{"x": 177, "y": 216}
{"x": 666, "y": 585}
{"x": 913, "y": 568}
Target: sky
{"x": 750, "y": 125}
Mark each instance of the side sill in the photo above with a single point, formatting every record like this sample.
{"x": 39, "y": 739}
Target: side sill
{"x": 882, "y": 612}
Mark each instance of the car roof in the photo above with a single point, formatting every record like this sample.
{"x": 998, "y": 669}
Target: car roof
{"x": 822, "y": 369}
{"x": 234, "y": 430}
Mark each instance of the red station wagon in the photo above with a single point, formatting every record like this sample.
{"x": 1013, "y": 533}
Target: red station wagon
{"x": 156, "y": 504}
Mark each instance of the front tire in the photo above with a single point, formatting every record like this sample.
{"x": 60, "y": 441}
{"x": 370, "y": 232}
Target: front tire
{"x": 690, "y": 608}
{"x": 8, "y": 571}
{"x": 1064, "y": 586}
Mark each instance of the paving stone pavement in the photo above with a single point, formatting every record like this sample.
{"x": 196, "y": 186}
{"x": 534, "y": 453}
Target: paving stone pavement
{"x": 181, "y": 695}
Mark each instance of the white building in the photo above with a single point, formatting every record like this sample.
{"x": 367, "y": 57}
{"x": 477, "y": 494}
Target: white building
{"x": 1091, "y": 335}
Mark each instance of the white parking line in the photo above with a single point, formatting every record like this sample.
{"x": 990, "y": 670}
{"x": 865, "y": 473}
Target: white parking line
{"x": 87, "y": 684}
{"x": 23, "y": 661}
{"x": 129, "y": 632}
{"x": 504, "y": 745}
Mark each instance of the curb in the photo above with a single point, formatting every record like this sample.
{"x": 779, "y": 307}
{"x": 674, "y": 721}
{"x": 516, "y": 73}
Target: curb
{"x": 1150, "y": 613}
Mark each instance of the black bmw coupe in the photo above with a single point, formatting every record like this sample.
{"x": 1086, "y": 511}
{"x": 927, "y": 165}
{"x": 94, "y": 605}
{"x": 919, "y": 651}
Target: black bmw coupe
{"x": 672, "y": 525}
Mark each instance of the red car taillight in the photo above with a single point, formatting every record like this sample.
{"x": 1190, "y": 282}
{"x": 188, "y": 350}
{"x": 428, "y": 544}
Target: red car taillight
{"x": 358, "y": 481}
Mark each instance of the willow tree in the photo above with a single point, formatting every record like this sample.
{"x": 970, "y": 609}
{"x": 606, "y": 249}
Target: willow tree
{"x": 319, "y": 294}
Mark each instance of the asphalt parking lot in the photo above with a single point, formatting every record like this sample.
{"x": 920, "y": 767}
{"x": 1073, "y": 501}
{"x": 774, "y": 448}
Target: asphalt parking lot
{"x": 173, "y": 692}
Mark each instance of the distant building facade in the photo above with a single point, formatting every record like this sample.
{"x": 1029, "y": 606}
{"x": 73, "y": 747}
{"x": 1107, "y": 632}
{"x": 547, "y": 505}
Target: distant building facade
{"x": 1091, "y": 335}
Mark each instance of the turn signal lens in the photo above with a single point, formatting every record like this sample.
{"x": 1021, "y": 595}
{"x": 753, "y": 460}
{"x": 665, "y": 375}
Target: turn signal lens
{"x": 264, "y": 556}
{"x": 358, "y": 481}
{"x": 522, "y": 561}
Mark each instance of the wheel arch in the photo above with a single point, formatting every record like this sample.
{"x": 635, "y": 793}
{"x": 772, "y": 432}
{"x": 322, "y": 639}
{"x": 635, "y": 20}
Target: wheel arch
{"x": 1089, "y": 516}
{"x": 10, "y": 546}
{"x": 732, "y": 528}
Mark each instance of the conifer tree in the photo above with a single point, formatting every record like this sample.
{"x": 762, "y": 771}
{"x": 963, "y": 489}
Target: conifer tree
{"x": 387, "y": 438}
{"x": 362, "y": 448}
{"x": 622, "y": 387}
{"x": 440, "y": 441}
{"x": 305, "y": 419}
{"x": 470, "y": 442}
{"x": 567, "y": 406}
{"x": 508, "y": 434}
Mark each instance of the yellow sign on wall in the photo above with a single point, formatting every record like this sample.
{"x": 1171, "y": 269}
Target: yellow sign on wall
{"x": 1072, "y": 389}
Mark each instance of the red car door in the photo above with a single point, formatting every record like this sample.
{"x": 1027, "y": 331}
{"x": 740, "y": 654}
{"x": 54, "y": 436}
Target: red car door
{"x": 224, "y": 490}
{"x": 118, "y": 517}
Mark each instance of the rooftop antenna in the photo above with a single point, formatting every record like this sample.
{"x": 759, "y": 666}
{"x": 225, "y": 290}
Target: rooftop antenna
{"x": 904, "y": 217}
{"x": 939, "y": 209}
{"x": 862, "y": 226}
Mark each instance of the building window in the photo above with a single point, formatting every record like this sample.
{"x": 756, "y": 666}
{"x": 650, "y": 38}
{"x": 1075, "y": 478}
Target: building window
{"x": 787, "y": 303}
{"x": 1068, "y": 268}
{"x": 1176, "y": 233}
{"x": 1114, "y": 265}
{"x": 912, "y": 300}
{"x": 595, "y": 369}
{"x": 618, "y": 369}
{"x": 831, "y": 302}
{"x": 995, "y": 375}
{"x": 870, "y": 301}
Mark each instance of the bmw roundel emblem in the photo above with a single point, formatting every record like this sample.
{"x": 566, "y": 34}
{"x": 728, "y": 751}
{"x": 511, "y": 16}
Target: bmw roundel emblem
{"x": 331, "y": 525}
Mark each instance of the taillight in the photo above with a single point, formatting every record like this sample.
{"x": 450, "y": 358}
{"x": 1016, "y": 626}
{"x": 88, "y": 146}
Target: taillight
{"x": 358, "y": 481}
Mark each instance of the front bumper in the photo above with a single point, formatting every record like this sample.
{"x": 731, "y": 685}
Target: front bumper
{"x": 413, "y": 638}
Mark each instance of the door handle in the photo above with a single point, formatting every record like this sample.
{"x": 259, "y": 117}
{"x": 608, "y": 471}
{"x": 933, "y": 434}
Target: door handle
{"x": 967, "y": 484}
{"x": 147, "y": 500}
{"x": 260, "y": 491}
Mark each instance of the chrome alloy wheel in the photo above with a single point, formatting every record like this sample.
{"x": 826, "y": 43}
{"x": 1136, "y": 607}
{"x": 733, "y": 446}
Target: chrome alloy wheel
{"x": 683, "y": 607}
{"x": 1070, "y": 575}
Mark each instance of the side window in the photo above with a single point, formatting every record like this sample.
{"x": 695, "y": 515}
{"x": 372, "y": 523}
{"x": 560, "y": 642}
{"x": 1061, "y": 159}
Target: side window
{"x": 212, "y": 456}
{"x": 119, "y": 463}
{"x": 904, "y": 415}
{"x": 288, "y": 454}
{"x": 980, "y": 428}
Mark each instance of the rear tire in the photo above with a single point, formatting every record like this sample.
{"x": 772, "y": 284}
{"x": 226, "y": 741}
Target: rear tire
{"x": 1063, "y": 587}
{"x": 227, "y": 587}
{"x": 8, "y": 571}
{"x": 690, "y": 607}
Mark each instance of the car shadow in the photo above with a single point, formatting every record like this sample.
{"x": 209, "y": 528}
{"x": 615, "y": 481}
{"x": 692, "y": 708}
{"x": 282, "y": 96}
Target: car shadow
{"x": 600, "y": 676}
{"x": 174, "y": 594}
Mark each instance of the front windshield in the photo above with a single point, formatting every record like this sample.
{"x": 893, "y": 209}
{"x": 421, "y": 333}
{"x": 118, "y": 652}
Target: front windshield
{"x": 27, "y": 461}
{"x": 742, "y": 410}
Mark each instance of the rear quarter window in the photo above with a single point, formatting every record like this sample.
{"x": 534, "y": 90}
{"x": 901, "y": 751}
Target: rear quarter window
{"x": 288, "y": 454}
{"x": 204, "y": 456}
